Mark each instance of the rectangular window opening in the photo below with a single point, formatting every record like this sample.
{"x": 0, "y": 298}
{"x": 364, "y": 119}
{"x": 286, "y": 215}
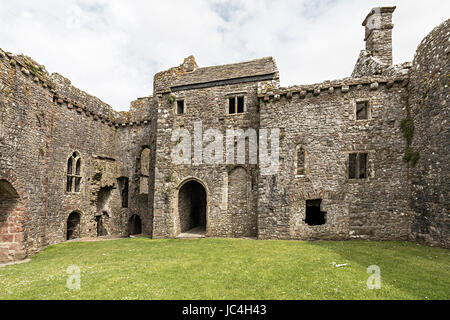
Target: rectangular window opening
{"x": 362, "y": 110}
{"x": 314, "y": 216}
{"x": 180, "y": 107}
{"x": 357, "y": 166}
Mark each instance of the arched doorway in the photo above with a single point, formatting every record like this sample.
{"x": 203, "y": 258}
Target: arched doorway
{"x": 192, "y": 206}
{"x": 73, "y": 226}
{"x": 134, "y": 225}
{"x": 11, "y": 236}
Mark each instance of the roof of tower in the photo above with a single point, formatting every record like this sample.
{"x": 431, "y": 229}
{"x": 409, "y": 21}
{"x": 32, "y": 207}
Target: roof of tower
{"x": 257, "y": 67}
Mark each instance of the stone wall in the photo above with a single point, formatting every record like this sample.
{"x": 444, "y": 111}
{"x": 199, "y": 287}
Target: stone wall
{"x": 27, "y": 111}
{"x": 136, "y": 143}
{"x": 12, "y": 219}
{"x": 429, "y": 109}
{"x": 321, "y": 119}
{"x": 44, "y": 120}
{"x": 208, "y": 104}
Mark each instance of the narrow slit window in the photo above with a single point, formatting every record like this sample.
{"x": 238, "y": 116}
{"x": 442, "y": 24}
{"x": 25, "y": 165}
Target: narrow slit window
{"x": 125, "y": 195}
{"x": 300, "y": 162}
{"x": 123, "y": 187}
{"x": 362, "y": 166}
{"x": 232, "y": 105}
{"x": 240, "y": 105}
{"x": 352, "y": 166}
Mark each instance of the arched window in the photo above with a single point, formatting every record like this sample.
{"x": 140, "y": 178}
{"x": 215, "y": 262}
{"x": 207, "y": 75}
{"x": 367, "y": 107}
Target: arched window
{"x": 74, "y": 173}
{"x": 300, "y": 163}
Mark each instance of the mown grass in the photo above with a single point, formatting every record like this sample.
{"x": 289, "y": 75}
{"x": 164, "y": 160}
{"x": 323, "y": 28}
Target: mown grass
{"x": 142, "y": 268}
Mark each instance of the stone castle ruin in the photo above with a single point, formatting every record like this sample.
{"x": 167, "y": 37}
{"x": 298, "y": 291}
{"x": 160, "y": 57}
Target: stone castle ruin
{"x": 365, "y": 157}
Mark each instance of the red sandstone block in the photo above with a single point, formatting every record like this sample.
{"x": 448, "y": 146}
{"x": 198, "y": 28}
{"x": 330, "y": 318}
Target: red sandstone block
{"x": 17, "y": 228}
{"x": 18, "y": 238}
{"x": 4, "y": 253}
{"x": 13, "y": 246}
{"x": 6, "y": 238}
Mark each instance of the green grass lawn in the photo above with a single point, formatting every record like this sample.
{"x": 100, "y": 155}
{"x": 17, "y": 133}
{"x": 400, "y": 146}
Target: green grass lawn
{"x": 142, "y": 268}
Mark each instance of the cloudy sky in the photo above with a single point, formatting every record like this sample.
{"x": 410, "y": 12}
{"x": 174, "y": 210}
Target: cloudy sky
{"x": 112, "y": 48}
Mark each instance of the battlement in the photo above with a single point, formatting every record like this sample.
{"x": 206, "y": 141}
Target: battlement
{"x": 330, "y": 87}
{"x": 64, "y": 93}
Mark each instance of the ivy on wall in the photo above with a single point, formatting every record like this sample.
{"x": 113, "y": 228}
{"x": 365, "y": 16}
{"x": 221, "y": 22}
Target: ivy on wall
{"x": 407, "y": 127}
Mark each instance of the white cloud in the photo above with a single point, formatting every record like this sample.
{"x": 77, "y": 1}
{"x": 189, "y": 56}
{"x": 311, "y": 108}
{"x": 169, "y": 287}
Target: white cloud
{"x": 113, "y": 48}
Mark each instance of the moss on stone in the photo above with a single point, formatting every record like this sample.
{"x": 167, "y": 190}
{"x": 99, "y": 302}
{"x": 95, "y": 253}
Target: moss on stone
{"x": 407, "y": 127}
{"x": 171, "y": 99}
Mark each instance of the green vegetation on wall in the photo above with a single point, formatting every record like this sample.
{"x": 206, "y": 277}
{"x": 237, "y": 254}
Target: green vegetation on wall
{"x": 407, "y": 127}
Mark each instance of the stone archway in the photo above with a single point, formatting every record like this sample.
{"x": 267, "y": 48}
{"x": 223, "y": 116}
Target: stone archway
{"x": 134, "y": 225}
{"x": 192, "y": 207}
{"x": 11, "y": 219}
{"x": 73, "y": 226}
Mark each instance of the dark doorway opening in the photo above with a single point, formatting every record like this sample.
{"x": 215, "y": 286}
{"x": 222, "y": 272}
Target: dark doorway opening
{"x": 101, "y": 228}
{"x": 134, "y": 225}
{"x": 9, "y": 221}
{"x": 314, "y": 217}
{"x": 73, "y": 226}
{"x": 192, "y": 206}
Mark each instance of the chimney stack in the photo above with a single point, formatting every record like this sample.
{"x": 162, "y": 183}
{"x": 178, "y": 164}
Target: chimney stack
{"x": 378, "y": 37}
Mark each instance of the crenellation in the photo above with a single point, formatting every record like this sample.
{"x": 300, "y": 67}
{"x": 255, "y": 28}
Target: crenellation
{"x": 342, "y": 86}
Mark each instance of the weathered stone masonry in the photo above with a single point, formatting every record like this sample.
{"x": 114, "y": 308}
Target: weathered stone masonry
{"x": 363, "y": 157}
{"x": 44, "y": 121}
